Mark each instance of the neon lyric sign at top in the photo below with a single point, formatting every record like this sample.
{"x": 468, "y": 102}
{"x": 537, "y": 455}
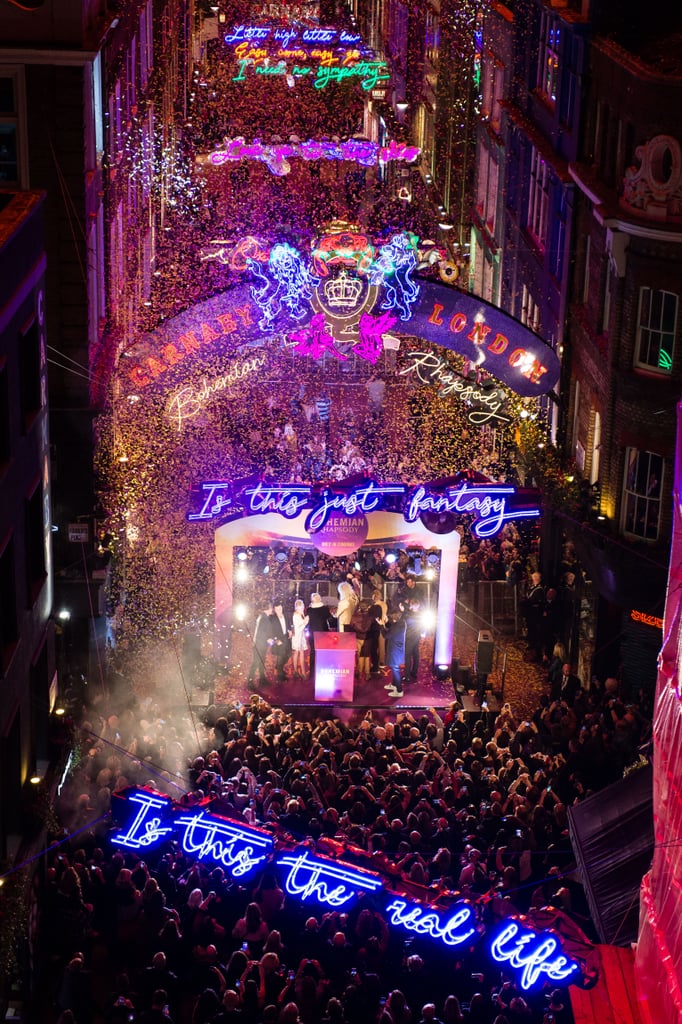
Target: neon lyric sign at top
{"x": 292, "y": 34}
{"x": 240, "y": 849}
{"x": 371, "y": 72}
{"x": 486, "y": 503}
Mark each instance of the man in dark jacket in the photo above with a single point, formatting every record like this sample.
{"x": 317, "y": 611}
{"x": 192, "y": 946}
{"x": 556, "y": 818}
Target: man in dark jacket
{"x": 262, "y": 638}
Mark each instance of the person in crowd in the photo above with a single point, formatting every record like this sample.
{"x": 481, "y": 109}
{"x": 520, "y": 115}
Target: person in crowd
{"x": 395, "y": 650}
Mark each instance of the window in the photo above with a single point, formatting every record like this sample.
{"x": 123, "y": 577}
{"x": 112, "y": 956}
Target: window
{"x": 548, "y": 57}
{"x": 642, "y": 493}
{"x": 657, "y": 322}
{"x": 530, "y": 311}
{"x": 12, "y": 160}
{"x": 538, "y": 198}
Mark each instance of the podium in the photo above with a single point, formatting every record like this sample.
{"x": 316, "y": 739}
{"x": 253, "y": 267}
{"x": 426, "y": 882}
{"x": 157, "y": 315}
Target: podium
{"x": 334, "y": 666}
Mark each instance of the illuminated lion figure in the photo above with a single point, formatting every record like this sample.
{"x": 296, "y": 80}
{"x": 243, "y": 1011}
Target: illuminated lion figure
{"x": 284, "y": 282}
{"x": 393, "y": 269}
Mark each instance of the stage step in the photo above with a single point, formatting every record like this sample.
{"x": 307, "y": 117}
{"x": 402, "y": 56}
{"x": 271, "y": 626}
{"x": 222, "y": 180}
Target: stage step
{"x": 613, "y": 1000}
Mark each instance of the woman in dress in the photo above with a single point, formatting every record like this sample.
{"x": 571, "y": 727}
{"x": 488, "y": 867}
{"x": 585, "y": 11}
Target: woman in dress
{"x": 299, "y": 642}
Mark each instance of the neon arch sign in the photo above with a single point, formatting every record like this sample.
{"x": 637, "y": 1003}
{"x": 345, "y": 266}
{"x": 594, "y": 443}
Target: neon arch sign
{"x": 241, "y": 850}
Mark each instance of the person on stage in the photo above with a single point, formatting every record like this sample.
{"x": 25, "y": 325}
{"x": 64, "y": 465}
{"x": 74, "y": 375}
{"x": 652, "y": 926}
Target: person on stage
{"x": 395, "y": 650}
{"x": 281, "y": 638}
{"x": 299, "y": 641}
{"x": 318, "y": 622}
{"x": 348, "y": 600}
{"x": 262, "y": 640}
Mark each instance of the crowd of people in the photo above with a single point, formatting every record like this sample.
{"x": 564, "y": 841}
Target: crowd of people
{"x": 441, "y": 803}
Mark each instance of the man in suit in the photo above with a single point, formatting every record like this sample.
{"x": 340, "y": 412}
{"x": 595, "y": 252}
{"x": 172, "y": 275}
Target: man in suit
{"x": 566, "y": 686}
{"x": 281, "y": 637}
{"x": 261, "y": 644}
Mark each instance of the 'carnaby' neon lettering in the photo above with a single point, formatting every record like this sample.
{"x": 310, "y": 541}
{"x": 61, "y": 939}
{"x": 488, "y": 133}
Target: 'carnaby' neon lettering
{"x": 238, "y": 850}
{"x": 530, "y": 953}
{"x": 456, "y": 930}
{"x": 309, "y": 878}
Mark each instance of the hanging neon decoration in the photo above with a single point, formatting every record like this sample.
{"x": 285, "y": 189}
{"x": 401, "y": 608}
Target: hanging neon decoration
{"x": 286, "y": 36}
{"x": 533, "y": 957}
{"x": 459, "y": 928}
{"x": 283, "y": 282}
{"x": 370, "y": 72}
{"x": 324, "y": 881}
{"x": 486, "y": 504}
{"x": 276, "y": 156}
{"x": 485, "y": 404}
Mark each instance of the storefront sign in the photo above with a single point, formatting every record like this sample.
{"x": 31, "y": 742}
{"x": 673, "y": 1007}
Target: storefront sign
{"x": 648, "y": 620}
{"x": 150, "y": 819}
{"x": 487, "y": 504}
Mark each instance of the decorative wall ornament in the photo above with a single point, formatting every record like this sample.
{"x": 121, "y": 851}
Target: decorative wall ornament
{"x": 655, "y": 187}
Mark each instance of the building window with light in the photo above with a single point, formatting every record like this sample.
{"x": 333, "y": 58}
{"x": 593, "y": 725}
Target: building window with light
{"x": 656, "y": 326}
{"x": 538, "y": 198}
{"x": 642, "y": 493}
{"x": 548, "y": 57}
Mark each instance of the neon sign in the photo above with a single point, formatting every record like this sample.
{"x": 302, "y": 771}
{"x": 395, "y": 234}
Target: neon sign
{"x": 276, "y": 156}
{"x": 648, "y": 620}
{"x": 486, "y": 503}
{"x": 485, "y": 405}
{"x": 285, "y": 36}
{"x": 534, "y": 957}
{"x": 187, "y": 402}
{"x": 458, "y": 928}
{"x": 529, "y": 953}
{"x": 340, "y": 313}
{"x": 369, "y": 71}
{"x": 325, "y": 881}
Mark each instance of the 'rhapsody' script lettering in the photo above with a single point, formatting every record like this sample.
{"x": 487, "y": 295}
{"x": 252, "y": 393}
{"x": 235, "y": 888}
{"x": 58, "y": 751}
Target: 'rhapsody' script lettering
{"x": 432, "y": 369}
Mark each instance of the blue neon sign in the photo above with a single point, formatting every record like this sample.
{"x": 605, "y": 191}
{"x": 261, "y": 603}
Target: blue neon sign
{"x": 486, "y": 503}
{"x": 325, "y": 881}
{"x": 534, "y": 957}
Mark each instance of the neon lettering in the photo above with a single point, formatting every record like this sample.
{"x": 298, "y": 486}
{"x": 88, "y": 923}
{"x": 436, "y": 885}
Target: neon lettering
{"x": 189, "y": 342}
{"x": 457, "y": 323}
{"x": 363, "y": 152}
{"x": 359, "y": 500}
{"x": 435, "y": 317}
{"x": 218, "y": 497}
{"x": 479, "y": 332}
{"x": 310, "y": 878}
{"x": 453, "y": 932}
{"x": 238, "y": 850}
{"x": 287, "y": 500}
{"x": 146, "y": 827}
{"x": 530, "y": 953}
{"x": 430, "y": 368}
{"x": 487, "y": 503}
{"x": 498, "y": 345}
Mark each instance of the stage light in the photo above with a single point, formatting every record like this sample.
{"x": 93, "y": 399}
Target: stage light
{"x": 428, "y": 619}
{"x": 442, "y": 671}
{"x": 59, "y": 711}
{"x": 242, "y": 574}
{"x": 390, "y": 558}
{"x": 242, "y": 556}
{"x": 356, "y": 565}
{"x": 64, "y": 614}
{"x": 430, "y": 573}
{"x": 35, "y": 780}
{"x": 240, "y": 612}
